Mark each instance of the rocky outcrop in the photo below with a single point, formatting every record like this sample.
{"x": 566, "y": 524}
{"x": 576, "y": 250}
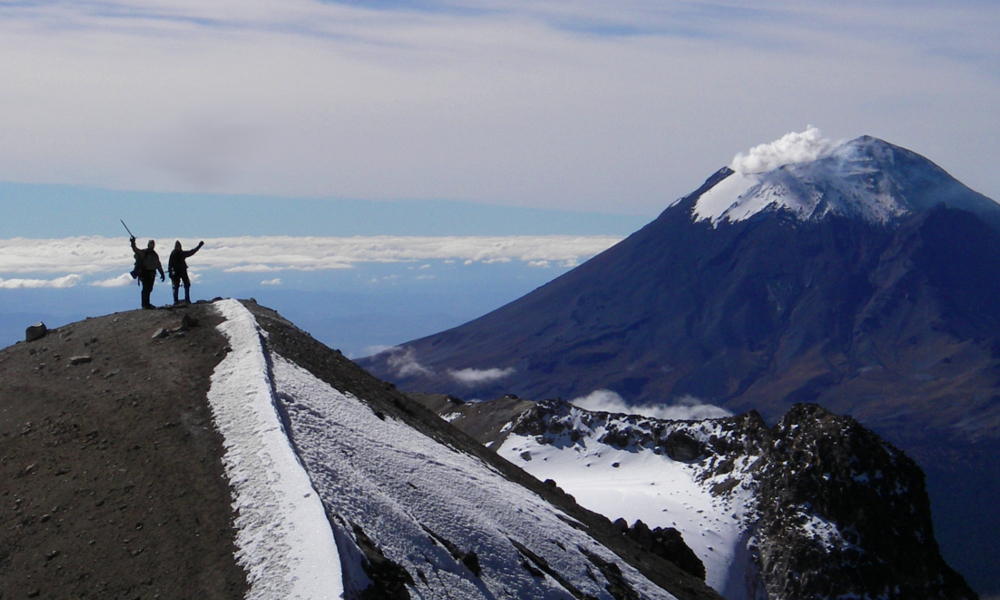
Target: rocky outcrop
{"x": 35, "y": 332}
{"x": 833, "y": 510}
{"x": 663, "y": 541}
{"x": 842, "y": 512}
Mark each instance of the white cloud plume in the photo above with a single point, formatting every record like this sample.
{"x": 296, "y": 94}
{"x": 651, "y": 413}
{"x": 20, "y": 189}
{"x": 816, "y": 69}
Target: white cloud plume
{"x": 791, "y": 148}
{"x": 275, "y": 253}
{"x": 61, "y": 282}
{"x": 275, "y": 281}
{"x": 687, "y": 408}
{"x": 472, "y": 377}
{"x": 403, "y": 362}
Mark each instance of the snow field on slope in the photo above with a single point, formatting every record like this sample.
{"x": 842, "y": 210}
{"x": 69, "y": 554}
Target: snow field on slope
{"x": 396, "y": 483}
{"x": 644, "y": 486}
{"x": 283, "y": 537}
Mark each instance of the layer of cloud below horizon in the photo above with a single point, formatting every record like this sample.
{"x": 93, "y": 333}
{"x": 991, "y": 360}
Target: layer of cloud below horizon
{"x": 95, "y": 255}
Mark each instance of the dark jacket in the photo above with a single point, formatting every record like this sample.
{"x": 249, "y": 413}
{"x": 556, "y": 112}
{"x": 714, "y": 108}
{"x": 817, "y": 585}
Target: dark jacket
{"x": 147, "y": 262}
{"x": 177, "y": 265}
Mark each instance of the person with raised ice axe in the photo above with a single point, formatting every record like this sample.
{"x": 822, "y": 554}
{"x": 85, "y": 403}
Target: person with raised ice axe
{"x": 147, "y": 263}
{"x": 177, "y": 266}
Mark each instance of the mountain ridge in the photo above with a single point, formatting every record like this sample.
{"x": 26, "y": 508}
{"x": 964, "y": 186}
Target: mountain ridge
{"x": 102, "y": 417}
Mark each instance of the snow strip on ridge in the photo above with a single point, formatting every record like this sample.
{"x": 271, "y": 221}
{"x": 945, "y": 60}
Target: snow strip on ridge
{"x": 398, "y": 484}
{"x": 283, "y": 537}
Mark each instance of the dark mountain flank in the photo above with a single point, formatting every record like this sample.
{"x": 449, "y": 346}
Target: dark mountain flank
{"x": 867, "y": 281}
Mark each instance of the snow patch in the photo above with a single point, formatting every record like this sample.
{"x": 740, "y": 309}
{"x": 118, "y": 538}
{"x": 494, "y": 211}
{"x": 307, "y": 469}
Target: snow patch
{"x": 636, "y": 483}
{"x": 400, "y": 487}
{"x": 283, "y": 537}
{"x": 803, "y": 175}
{"x": 352, "y": 468}
{"x": 822, "y": 530}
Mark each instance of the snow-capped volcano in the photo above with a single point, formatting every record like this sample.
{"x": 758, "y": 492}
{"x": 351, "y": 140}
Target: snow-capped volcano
{"x": 858, "y": 276}
{"x": 865, "y": 178}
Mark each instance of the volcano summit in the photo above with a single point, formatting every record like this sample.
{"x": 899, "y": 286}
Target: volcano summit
{"x": 863, "y": 278}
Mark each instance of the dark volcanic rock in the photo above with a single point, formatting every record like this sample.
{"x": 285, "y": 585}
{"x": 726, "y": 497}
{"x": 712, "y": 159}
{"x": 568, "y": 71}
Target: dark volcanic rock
{"x": 113, "y": 487}
{"x": 35, "y": 332}
{"x": 668, "y": 543}
{"x": 842, "y": 511}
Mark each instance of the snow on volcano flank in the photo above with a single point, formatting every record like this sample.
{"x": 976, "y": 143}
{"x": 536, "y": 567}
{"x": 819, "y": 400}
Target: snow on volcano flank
{"x": 812, "y": 177}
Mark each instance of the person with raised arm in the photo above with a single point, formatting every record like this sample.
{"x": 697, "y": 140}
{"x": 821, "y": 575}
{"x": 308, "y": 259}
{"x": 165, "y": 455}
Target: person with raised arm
{"x": 177, "y": 266}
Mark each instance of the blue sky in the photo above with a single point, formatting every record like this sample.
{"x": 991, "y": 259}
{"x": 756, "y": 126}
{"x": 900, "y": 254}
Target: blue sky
{"x": 502, "y": 118}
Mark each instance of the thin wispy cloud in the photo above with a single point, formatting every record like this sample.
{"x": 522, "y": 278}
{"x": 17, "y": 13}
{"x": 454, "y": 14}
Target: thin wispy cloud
{"x": 403, "y": 362}
{"x": 121, "y": 281}
{"x": 682, "y": 409}
{"x": 472, "y": 377}
{"x": 67, "y": 281}
{"x": 591, "y": 105}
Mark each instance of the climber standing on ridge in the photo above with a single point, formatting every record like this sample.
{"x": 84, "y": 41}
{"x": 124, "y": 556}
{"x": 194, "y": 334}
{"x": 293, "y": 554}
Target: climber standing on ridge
{"x": 147, "y": 263}
{"x": 177, "y": 266}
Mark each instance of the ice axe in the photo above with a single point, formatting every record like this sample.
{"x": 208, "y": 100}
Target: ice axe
{"x": 130, "y": 234}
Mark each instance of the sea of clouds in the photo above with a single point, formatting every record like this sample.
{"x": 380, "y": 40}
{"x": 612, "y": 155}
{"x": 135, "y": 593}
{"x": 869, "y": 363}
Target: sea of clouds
{"x": 105, "y": 262}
